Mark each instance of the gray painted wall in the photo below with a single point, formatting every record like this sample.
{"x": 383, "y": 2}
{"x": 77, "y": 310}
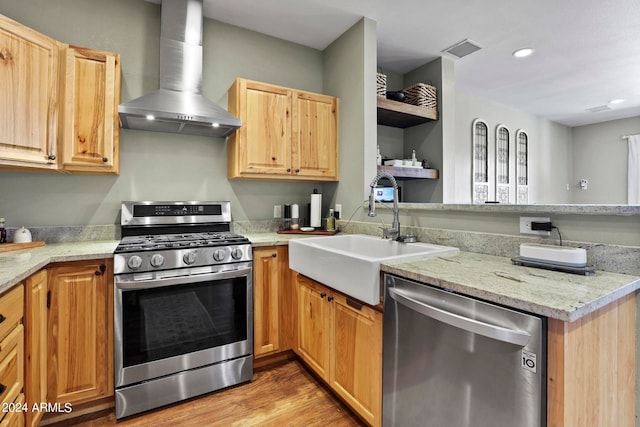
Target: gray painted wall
{"x": 550, "y": 148}
{"x": 155, "y": 166}
{"x": 600, "y": 156}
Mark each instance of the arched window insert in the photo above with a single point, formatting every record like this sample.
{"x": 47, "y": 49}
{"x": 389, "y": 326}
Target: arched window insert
{"x": 522, "y": 167}
{"x": 480, "y": 172}
{"x": 503, "y": 176}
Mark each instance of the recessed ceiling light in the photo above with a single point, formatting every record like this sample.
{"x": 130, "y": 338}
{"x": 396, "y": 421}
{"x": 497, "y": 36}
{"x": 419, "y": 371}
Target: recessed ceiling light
{"x": 616, "y": 101}
{"x": 523, "y": 53}
{"x": 215, "y": 124}
{"x": 150, "y": 117}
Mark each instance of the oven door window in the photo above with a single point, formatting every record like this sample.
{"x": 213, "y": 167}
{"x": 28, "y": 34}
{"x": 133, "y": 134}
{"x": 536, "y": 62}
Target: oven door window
{"x": 175, "y": 320}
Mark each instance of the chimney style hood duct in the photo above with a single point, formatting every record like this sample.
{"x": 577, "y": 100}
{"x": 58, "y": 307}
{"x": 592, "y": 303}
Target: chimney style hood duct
{"x": 179, "y": 106}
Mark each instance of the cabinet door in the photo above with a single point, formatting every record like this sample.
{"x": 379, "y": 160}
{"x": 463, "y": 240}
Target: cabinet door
{"x": 35, "y": 322}
{"x": 356, "y": 366}
{"x": 262, "y": 146}
{"x": 80, "y": 332}
{"x": 265, "y": 300}
{"x": 28, "y": 94}
{"x": 314, "y": 323}
{"x": 90, "y": 129}
{"x": 315, "y": 136}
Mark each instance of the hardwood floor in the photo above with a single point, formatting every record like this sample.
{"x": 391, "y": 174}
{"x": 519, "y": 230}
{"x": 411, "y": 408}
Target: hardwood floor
{"x": 284, "y": 394}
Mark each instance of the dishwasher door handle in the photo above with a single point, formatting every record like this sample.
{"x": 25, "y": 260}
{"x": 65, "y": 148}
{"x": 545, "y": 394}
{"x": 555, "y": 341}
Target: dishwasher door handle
{"x": 499, "y": 333}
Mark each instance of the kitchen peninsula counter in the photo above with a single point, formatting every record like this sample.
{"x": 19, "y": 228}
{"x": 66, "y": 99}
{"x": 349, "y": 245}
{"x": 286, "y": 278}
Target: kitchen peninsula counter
{"x": 562, "y": 296}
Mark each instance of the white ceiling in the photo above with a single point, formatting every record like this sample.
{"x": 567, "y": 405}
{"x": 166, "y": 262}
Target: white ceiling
{"x": 587, "y": 52}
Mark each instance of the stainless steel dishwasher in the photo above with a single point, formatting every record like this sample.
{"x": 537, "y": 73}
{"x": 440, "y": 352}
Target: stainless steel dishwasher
{"x": 453, "y": 361}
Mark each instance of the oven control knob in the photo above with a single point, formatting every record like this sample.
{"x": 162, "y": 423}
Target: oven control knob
{"x": 157, "y": 260}
{"x": 236, "y": 253}
{"x": 189, "y": 258}
{"x": 219, "y": 255}
{"x": 134, "y": 262}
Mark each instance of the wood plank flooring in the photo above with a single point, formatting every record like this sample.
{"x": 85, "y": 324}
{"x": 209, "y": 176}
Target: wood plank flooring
{"x": 283, "y": 394}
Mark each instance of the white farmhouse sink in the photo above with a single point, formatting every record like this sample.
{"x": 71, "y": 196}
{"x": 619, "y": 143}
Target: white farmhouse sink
{"x": 350, "y": 263}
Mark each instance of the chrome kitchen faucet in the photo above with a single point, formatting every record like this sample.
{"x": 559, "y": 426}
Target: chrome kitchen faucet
{"x": 394, "y": 231}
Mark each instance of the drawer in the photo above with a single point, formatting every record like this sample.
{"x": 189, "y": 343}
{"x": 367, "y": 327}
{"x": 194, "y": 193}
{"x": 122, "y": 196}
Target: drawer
{"x": 11, "y": 308}
{"x": 11, "y": 366}
{"x": 15, "y": 417}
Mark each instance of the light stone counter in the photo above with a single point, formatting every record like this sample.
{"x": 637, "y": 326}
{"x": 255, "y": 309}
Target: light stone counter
{"x": 16, "y": 266}
{"x": 561, "y": 296}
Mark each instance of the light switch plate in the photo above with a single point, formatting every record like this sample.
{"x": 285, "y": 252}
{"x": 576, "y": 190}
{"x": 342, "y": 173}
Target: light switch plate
{"x": 525, "y": 225}
{"x": 277, "y": 211}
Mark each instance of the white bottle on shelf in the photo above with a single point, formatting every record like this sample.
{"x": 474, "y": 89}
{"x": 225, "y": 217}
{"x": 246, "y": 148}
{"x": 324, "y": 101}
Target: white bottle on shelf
{"x": 414, "y": 161}
{"x": 379, "y": 157}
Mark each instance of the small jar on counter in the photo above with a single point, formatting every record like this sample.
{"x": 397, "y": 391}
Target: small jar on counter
{"x": 3, "y": 232}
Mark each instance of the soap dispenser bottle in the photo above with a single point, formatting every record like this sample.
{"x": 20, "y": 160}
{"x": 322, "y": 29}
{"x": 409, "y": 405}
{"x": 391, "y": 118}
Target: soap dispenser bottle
{"x": 414, "y": 161}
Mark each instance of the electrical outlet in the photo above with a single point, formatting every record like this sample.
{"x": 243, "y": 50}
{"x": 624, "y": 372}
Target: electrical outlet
{"x": 584, "y": 184}
{"x": 525, "y": 225}
{"x": 338, "y": 209}
{"x": 277, "y": 211}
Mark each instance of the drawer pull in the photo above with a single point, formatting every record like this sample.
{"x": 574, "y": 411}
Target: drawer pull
{"x": 101, "y": 271}
{"x": 2, "y": 318}
{"x": 2, "y": 388}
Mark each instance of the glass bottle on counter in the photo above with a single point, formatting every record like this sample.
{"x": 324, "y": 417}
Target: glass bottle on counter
{"x": 3, "y": 232}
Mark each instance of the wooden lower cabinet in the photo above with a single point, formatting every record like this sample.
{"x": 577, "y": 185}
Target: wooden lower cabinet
{"x": 341, "y": 340}
{"x": 591, "y": 368}
{"x": 12, "y": 357}
{"x": 80, "y": 328}
{"x": 35, "y": 323}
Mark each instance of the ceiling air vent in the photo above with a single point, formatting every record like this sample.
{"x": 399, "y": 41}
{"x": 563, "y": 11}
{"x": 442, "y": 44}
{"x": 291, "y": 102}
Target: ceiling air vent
{"x": 463, "y": 48}
{"x": 599, "y": 108}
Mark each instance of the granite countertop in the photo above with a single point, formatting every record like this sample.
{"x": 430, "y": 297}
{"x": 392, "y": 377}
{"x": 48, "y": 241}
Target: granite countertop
{"x": 553, "y": 294}
{"x": 16, "y": 266}
{"x": 561, "y": 296}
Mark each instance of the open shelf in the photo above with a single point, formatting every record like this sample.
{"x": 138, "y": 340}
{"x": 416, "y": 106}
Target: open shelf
{"x": 402, "y": 115}
{"x": 409, "y": 173}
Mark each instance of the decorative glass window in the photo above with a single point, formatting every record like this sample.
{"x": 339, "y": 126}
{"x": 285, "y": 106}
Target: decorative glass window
{"x": 480, "y": 172}
{"x": 522, "y": 167}
{"x": 503, "y": 177}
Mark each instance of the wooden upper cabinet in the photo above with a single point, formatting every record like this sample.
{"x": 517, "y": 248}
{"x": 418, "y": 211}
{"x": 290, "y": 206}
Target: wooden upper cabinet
{"x": 315, "y": 135}
{"x": 89, "y": 125}
{"x": 29, "y": 67}
{"x": 286, "y": 134}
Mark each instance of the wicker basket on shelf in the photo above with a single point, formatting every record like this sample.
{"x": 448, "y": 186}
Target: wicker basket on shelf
{"x": 422, "y": 95}
{"x": 381, "y": 85}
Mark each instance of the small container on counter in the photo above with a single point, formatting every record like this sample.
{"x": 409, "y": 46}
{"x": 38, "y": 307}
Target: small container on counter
{"x": 331, "y": 221}
{"x": 3, "y": 232}
{"x": 295, "y": 217}
{"x": 286, "y": 219}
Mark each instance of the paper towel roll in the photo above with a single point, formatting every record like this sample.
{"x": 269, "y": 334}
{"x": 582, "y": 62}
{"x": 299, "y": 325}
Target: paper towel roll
{"x": 295, "y": 213}
{"x": 316, "y": 210}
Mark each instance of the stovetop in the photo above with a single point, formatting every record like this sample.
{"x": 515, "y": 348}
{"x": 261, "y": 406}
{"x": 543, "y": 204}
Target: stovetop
{"x": 178, "y": 241}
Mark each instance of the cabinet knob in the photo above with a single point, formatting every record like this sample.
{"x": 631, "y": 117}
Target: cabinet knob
{"x": 330, "y": 299}
{"x": 2, "y": 318}
{"x": 288, "y": 169}
{"x": 101, "y": 270}
{"x": 2, "y": 388}
{"x": 274, "y": 254}
{"x": 273, "y": 158}
{"x": 297, "y": 170}
{"x": 105, "y": 159}
{"x": 322, "y": 295}
{"x": 51, "y": 157}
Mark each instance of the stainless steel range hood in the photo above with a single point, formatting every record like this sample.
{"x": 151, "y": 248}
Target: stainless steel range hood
{"x": 179, "y": 106}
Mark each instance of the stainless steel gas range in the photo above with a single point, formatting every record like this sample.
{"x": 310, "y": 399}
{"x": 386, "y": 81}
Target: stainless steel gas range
{"x": 183, "y": 304}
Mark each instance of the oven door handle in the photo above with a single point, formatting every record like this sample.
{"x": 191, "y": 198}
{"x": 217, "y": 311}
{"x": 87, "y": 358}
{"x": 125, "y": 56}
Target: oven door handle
{"x": 180, "y": 280}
